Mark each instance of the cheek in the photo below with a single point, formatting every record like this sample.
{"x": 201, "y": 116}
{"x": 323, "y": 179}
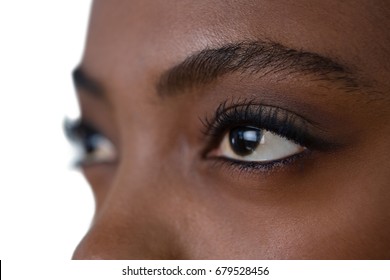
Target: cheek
{"x": 344, "y": 212}
{"x": 324, "y": 209}
{"x": 193, "y": 219}
{"x": 165, "y": 198}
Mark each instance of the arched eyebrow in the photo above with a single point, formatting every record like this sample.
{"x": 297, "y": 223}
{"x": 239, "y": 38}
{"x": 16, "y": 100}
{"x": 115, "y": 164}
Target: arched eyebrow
{"x": 255, "y": 57}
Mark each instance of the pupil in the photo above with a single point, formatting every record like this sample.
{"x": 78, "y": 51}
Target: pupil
{"x": 91, "y": 143}
{"x": 89, "y": 139}
{"x": 244, "y": 140}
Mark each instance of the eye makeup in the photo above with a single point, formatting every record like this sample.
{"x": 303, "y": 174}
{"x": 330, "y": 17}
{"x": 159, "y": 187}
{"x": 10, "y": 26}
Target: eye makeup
{"x": 232, "y": 114}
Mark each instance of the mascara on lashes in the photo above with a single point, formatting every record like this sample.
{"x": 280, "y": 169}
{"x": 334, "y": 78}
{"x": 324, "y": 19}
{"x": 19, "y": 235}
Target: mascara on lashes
{"x": 275, "y": 119}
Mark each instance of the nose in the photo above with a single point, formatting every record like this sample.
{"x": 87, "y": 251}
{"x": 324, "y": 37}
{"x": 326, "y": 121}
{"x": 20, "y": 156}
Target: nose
{"x": 133, "y": 223}
{"x": 120, "y": 242}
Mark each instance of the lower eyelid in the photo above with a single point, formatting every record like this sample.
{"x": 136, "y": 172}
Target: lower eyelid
{"x": 258, "y": 167}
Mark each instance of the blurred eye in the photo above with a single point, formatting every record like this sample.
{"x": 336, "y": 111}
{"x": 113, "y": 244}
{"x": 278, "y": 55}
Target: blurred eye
{"x": 92, "y": 147}
{"x": 248, "y": 143}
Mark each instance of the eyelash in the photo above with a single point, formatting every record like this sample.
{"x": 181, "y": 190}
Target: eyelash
{"x": 231, "y": 114}
{"x": 78, "y": 131}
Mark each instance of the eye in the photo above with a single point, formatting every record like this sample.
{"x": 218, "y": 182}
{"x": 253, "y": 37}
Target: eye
{"x": 247, "y": 143}
{"x": 92, "y": 147}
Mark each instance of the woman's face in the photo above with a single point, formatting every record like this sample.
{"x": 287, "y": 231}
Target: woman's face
{"x": 237, "y": 129}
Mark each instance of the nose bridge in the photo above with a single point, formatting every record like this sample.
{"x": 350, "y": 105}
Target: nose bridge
{"x": 138, "y": 217}
{"x": 135, "y": 221}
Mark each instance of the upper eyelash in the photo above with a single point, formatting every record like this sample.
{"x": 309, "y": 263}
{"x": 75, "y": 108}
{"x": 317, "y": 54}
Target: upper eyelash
{"x": 247, "y": 112}
{"x": 244, "y": 105}
{"x": 289, "y": 125}
{"x": 74, "y": 128}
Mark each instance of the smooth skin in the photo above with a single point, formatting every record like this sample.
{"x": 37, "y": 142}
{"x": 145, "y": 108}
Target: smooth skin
{"x": 164, "y": 198}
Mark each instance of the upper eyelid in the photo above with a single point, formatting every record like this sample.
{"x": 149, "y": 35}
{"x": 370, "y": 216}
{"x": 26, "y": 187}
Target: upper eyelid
{"x": 71, "y": 128}
{"x": 222, "y": 108}
{"x": 229, "y": 105}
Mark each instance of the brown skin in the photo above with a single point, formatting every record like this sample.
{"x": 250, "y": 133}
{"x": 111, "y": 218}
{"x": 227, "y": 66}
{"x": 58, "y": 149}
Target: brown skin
{"x": 163, "y": 199}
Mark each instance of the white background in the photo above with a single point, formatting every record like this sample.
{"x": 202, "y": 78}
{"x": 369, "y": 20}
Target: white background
{"x": 45, "y": 206}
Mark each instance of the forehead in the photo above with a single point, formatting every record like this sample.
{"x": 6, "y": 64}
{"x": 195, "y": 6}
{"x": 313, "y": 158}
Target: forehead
{"x": 149, "y": 36}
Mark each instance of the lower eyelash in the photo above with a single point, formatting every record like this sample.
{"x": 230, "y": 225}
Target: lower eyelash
{"x": 253, "y": 166}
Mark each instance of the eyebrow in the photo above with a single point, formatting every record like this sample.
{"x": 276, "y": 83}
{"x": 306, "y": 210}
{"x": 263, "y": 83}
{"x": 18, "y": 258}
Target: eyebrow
{"x": 252, "y": 57}
{"x": 255, "y": 57}
{"x": 82, "y": 80}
